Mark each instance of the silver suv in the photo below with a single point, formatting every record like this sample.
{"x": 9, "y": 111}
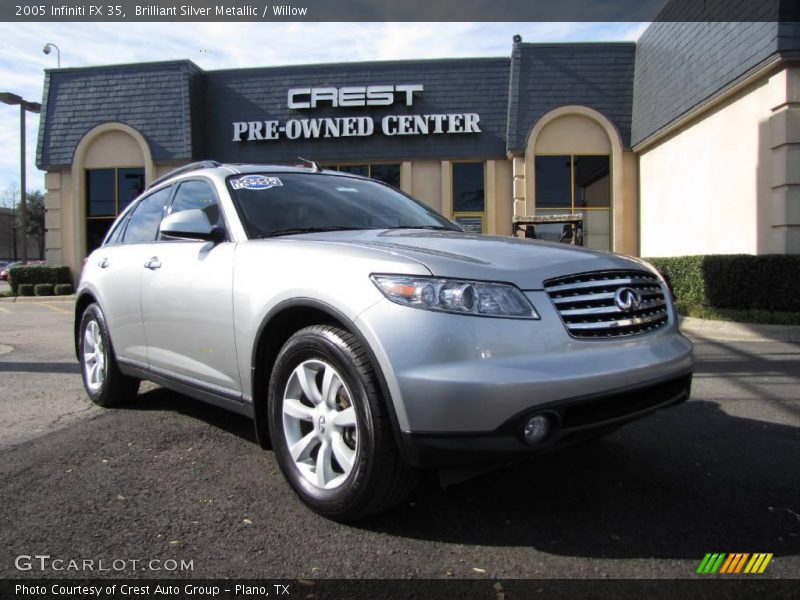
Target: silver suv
{"x": 366, "y": 335}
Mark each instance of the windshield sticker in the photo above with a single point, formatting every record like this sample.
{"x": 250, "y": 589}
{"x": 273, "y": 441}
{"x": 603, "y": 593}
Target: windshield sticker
{"x": 255, "y": 182}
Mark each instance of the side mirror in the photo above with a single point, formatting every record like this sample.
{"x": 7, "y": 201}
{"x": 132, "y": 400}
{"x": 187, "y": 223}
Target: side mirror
{"x": 191, "y": 224}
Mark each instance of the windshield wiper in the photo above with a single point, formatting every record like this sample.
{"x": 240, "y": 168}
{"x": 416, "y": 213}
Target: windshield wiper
{"x": 294, "y": 230}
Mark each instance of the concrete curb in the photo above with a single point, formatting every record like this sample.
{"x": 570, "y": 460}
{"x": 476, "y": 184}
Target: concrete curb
{"x": 23, "y": 299}
{"x": 728, "y": 331}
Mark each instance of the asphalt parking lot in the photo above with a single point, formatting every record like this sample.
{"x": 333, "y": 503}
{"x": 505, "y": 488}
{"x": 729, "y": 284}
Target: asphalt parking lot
{"x": 169, "y": 478}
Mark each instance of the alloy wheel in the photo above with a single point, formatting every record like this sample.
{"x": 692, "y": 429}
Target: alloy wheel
{"x": 320, "y": 424}
{"x": 94, "y": 357}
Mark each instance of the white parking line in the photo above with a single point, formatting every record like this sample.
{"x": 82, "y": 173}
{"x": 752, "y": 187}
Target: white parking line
{"x": 51, "y": 307}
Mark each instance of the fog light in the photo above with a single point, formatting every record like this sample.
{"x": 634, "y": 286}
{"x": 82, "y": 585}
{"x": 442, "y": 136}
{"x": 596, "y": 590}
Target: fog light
{"x": 537, "y": 428}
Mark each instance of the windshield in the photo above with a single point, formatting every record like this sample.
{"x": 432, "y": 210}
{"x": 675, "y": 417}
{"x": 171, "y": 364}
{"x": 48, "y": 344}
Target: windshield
{"x": 286, "y": 203}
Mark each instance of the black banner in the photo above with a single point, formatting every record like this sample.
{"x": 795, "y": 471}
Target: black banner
{"x": 407, "y": 10}
{"x": 744, "y": 587}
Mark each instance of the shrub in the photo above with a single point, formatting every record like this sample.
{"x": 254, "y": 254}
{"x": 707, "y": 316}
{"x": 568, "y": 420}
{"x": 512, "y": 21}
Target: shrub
{"x": 43, "y": 289}
{"x": 734, "y": 281}
{"x": 63, "y": 289}
{"x": 34, "y": 274}
{"x": 25, "y": 289}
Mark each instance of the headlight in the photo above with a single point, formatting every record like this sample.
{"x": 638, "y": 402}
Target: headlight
{"x": 456, "y": 296}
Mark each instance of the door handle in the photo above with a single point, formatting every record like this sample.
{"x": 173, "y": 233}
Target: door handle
{"x": 153, "y": 264}
{"x": 103, "y": 263}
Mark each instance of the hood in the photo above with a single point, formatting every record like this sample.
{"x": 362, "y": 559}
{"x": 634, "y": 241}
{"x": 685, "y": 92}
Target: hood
{"x": 525, "y": 263}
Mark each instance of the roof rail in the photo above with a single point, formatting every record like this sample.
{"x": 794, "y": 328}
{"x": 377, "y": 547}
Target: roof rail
{"x": 203, "y": 164}
{"x": 311, "y": 163}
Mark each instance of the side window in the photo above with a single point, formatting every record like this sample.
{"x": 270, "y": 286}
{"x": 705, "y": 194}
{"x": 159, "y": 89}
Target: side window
{"x": 115, "y": 237}
{"x": 198, "y": 194}
{"x": 146, "y": 217}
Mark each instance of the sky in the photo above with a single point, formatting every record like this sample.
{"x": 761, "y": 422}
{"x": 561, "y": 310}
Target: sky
{"x": 231, "y": 45}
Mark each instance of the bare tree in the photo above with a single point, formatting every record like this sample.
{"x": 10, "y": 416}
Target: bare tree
{"x": 10, "y": 225}
{"x": 35, "y": 213}
{"x": 8, "y": 222}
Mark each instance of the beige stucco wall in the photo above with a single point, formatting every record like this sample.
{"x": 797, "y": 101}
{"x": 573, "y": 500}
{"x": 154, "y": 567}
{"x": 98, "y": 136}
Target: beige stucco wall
{"x": 572, "y": 134}
{"x": 626, "y": 213}
{"x": 426, "y": 182}
{"x": 581, "y": 130}
{"x": 504, "y": 197}
{"x": 113, "y": 149}
{"x": 725, "y": 181}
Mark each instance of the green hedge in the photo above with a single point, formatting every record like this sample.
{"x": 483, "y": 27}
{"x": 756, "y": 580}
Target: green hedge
{"x": 43, "y": 289}
{"x": 26, "y": 289}
{"x": 63, "y": 289}
{"x": 768, "y": 282}
{"x": 34, "y": 274}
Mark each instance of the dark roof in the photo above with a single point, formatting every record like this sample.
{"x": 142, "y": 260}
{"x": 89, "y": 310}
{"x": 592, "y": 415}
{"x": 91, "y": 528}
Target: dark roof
{"x": 682, "y": 61}
{"x": 153, "y": 98}
{"x": 546, "y": 76}
{"x": 681, "y": 65}
{"x": 477, "y": 85}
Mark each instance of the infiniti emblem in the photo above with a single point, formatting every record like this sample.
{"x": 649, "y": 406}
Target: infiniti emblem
{"x": 322, "y": 424}
{"x": 627, "y": 299}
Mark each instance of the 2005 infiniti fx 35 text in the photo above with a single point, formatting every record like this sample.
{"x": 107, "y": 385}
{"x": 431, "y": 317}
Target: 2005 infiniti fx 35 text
{"x": 366, "y": 335}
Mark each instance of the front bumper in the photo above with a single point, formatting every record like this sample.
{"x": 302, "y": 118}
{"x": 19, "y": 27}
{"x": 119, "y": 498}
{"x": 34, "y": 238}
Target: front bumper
{"x": 454, "y": 376}
{"x": 575, "y": 419}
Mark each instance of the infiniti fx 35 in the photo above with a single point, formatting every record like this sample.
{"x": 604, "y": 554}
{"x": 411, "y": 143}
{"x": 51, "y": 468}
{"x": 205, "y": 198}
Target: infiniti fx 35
{"x": 367, "y": 336}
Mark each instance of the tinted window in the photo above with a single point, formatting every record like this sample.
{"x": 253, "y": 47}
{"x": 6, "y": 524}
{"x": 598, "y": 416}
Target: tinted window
{"x": 270, "y": 203}
{"x": 100, "y": 192}
{"x": 592, "y": 181}
{"x": 386, "y": 173}
{"x": 468, "y": 187}
{"x": 130, "y": 183}
{"x": 553, "y": 182}
{"x": 96, "y": 230}
{"x": 146, "y": 217}
{"x": 362, "y": 170}
{"x": 197, "y": 195}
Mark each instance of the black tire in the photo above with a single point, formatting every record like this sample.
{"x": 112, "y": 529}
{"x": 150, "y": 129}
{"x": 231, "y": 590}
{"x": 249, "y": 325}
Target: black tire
{"x": 380, "y": 478}
{"x": 116, "y": 388}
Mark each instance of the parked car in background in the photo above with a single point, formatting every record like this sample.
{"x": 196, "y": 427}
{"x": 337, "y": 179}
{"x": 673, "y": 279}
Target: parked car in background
{"x": 7, "y": 268}
{"x": 366, "y": 335}
{"x": 5, "y": 274}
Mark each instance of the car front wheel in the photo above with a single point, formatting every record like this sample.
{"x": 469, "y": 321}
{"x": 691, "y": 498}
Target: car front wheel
{"x": 104, "y": 382}
{"x": 330, "y": 428}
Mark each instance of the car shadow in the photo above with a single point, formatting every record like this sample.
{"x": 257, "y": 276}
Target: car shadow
{"x": 686, "y": 481}
{"x": 166, "y": 400}
{"x": 39, "y": 367}
{"x": 682, "y": 482}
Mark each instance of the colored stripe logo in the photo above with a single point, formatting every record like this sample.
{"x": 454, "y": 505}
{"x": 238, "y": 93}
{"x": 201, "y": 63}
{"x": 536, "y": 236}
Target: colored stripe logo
{"x": 734, "y": 563}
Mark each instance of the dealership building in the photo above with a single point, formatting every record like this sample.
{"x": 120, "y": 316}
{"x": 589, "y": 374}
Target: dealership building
{"x": 684, "y": 142}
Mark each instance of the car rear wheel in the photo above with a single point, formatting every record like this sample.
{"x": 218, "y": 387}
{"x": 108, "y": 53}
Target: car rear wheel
{"x": 104, "y": 382}
{"x": 330, "y": 428}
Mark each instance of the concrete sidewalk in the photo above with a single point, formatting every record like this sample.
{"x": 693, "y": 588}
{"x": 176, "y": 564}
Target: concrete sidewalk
{"x": 728, "y": 331}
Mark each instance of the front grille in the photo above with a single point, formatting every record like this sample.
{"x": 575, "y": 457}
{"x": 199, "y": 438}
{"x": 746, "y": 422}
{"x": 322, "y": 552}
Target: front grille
{"x": 588, "y": 307}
